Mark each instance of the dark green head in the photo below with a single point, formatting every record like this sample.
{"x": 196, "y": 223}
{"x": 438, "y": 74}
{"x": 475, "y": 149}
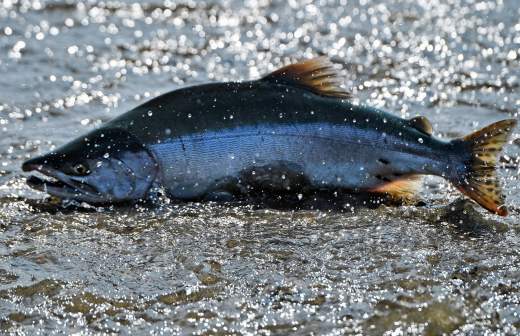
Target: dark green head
{"x": 106, "y": 165}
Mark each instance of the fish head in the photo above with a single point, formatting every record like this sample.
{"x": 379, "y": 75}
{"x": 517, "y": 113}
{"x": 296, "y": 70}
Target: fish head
{"x": 105, "y": 166}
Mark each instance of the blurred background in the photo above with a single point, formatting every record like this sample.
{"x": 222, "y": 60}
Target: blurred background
{"x": 66, "y": 67}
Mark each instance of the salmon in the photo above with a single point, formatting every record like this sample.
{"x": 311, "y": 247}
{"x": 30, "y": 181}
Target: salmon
{"x": 291, "y": 129}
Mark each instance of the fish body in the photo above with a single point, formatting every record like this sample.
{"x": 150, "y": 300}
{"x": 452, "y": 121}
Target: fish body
{"x": 294, "y": 128}
{"x": 230, "y": 129}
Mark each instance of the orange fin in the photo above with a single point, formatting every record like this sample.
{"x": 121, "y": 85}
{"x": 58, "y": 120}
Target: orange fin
{"x": 480, "y": 182}
{"x": 405, "y": 188}
{"x": 422, "y": 124}
{"x": 317, "y": 75}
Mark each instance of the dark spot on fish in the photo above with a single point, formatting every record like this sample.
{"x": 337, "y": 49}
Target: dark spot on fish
{"x": 182, "y": 145}
{"x": 383, "y": 161}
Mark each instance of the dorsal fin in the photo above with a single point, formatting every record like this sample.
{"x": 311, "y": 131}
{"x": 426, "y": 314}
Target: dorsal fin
{"x": 421, "y": 124}
{"x": 316, "y": 74}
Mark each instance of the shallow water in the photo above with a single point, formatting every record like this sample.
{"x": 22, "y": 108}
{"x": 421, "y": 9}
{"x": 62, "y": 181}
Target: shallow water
{"x": 439, "y": 267}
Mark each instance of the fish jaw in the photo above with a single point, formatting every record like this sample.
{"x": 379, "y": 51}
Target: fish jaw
{"x": 59, "y": 184}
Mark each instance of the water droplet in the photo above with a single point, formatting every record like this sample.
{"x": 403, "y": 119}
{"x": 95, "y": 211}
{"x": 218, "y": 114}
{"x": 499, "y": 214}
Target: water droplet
{"x": 420, "y": 140}
{"x": 73, "y": 49}
{"x": 150, "y": 113}
{"x": 106, "y": 155}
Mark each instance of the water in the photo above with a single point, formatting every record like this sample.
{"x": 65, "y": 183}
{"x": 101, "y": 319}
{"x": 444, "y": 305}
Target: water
{"x": 322, "y": 268}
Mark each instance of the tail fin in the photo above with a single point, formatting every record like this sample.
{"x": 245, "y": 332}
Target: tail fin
{"x": 480, "y": 181}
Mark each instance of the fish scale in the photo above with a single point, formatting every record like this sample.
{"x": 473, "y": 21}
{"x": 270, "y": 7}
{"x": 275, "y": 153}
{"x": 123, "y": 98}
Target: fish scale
{"x": 328, "y": 155}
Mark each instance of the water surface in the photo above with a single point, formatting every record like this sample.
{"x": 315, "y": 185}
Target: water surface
{"x": 338, "y": 267}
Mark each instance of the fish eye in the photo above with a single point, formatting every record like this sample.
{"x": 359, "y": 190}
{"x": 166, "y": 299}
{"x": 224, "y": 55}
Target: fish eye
{"x": 81, "y": 169}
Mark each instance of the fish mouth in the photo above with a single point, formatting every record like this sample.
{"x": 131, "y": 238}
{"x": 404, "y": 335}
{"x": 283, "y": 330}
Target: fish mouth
{"x": 59, "y": 184}
{"x": 42, "y": 184}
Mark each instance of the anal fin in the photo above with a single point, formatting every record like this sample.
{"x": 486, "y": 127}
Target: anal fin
{"x": 404, "y": 188}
